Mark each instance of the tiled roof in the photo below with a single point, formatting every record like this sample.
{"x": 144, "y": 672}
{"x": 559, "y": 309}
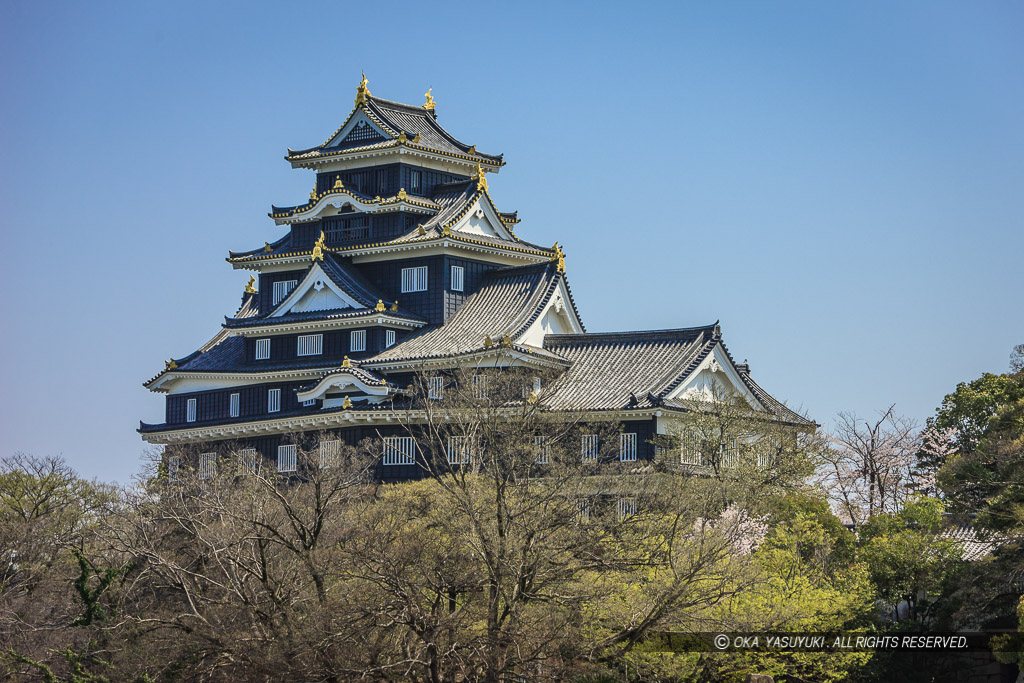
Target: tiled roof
{"x": 507, "y": 302}
{"x": 396, "y": 118}
{"x": 306, "y": 316}
{"x": 360, "y": 373}
{"x": 607, "y": 368}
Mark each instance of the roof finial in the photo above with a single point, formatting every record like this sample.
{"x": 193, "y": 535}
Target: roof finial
{"x": 380, "y": 306}
{"x": 362, "y": 92}
{"x": 347, "y": 403}
{"x": 488, "y": 342}
{"x": 559, "y": 257}
{"x": 249, "y": 289}
{"x": 506, "y": 340}
{"x": 394, "y": 306}
{"x": 402, "y": 137}
{"x": 338, "y": 185}
{"x": 345, "y": 362}
{"x": 401, "y": 194}
{"x": 481, "y": 179}
{"x": 267, "y": 248}
{"x": 429, "y": 106}
{"x": 318, "y": 248}
{"x": 169, "y": 364}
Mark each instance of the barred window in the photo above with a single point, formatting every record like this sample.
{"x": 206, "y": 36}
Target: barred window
{"x": 287, "y": 460}
{"x": 435, "y": 389}
{"x": 583, "y": 509}
{"x": 310, "y": 345}
{"x": 173, "y": 467}
{"x": 234, "y": 405}
{"x": 248, "y": 461}
{"x": 458, "y": 278}
{"x": 273, "y": 400}
{"x": 330, "y": 452}
{"x": 627, "y": 447}
{"x": 730, "y": 453}
{"x": 589, "y": 448}
{"x": 207, "y": 465}
{"x": 357, "y": 340}
{"x": 480, "y": 386}
{"x": 544, "y": 453}
{"x": 689, "y": 448}
{"x": 627, "y": 507}
{"x": 309, "y": 402}
{"x": 262, "y": 349}
{"x": 414, "y": 181}
{"x": 414, "y": 279}
{"x": 399, "y": 450}
{"x": 282, "y": 289}
{"x": 190, "y": 410}
{"x": 459, "y": 450}
{"x": 389, "y": 339}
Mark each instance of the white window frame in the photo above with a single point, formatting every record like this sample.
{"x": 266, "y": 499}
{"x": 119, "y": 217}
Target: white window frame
{"x": 309, "y": 345}
{"x": 480, "y": 387}
{"x": 389, "y": 338}
{"x": 309, "y": 402}
{"x": 544, "y": 455}
{"x": 435, "y": 388}
{"x": 458, "y": 279}
{"x": 627, "y": 447}
{"x": 207, "y": 465}
{"x": 399, "y": 450}
{"x": 263, "y": 349}
{"x": 234, "y": 404}
{"x": 330, "y": 453}
{"x": 190, "y": 410}
{"x": 173, "y": 467}
{"x": 414, "y": 279}
{"x": 729, "y": 454}
{"x": 274, "y": 401}
{"x": 583, "y": 509}
{"x": 357, "y": 340}
{"x": 288, "y": 458}
{"x": 689, "y": 449}
{"x": 460, "y": 450}
{"x": 626, "y": 507}
{"x": 248, "y": 461}
{"x": 589, "y": 447}
{"x": 282, "y": 288}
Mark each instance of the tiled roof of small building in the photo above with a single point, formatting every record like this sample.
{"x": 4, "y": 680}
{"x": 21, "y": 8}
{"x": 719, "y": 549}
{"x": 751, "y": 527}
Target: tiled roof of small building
{"x": 354, "y": 369}
{"x": 507, "y": 302}
{"x": 396, "y": 118}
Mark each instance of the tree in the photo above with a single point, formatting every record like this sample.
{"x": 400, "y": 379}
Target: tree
{"x": 870, "y": 468}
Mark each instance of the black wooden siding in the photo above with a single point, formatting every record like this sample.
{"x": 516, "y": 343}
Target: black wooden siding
{"x": 381, "y": 228}
{"x": 285, "y": 347}
{"x": 267, "y": 280}
{"x": 387, "y": 180}
{"x": 214, "y": 405}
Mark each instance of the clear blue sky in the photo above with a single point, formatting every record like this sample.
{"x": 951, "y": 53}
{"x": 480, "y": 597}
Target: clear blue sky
{"x": 841, "y": 184}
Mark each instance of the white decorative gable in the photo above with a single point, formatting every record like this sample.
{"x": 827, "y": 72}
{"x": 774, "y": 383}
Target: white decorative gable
{"x": 481, "y": 219}
{"x": 359, "y": 128}
{"x": 316, "y": 292}
{"x": 716, "y": 376}
{"x": 558, "y": 317}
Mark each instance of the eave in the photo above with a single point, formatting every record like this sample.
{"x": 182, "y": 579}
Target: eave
{"x": 370, "y": 317}
{"x": 156, "y": 384}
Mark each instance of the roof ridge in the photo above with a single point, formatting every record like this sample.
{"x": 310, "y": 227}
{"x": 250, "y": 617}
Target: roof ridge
{"x": 639, "y": 335}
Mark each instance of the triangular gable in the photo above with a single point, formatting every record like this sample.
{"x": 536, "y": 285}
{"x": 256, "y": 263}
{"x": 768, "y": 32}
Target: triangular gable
{"x": 482, "y": 219}
{"x": 343, "y": 381}
{"x": 316, "y": 292}
{"x": 557, "y": 317}
{"x": 715, "y": 376}
{"x": 358, "y": 129}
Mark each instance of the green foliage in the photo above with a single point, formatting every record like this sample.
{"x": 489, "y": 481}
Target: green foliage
{"x": 90, "y": 592}
{"x": 969, "y": 408}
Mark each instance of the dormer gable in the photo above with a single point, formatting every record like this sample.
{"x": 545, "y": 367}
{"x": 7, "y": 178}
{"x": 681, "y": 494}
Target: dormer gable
{"x": 316, "y": 292}
{"x": 483, "y": 219}
{"x": 359, "y": 130}
{"x": 715, "y": 377}
{"x": 558, "y": 316}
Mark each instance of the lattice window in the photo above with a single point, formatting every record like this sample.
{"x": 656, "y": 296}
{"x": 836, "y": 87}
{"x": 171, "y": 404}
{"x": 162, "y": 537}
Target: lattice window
{"x": 627, "y": 507}
{"x": 458, "y": 278}
{"x": 689, "y": 448}
{"x": 399, "y": 450}
{"x": 282, "y": 288}
{"x": 262, "y": 349}
{"x": 583, "y": 509}
{"x": 414, "y": 279}
{"x": 357, "y": 340}
{"x": 330, "y": 453}
{"x": 207, "y": 465}
{"x": 627, "y": 447}
{"x": 287, "y": 458}
{"x": 190, "y": 410}
{"x": 480, "y": 386}
{"x": 362, "y": 133}
{"x": 544, "y": 450}
{"x": 460, "y": 450}
{"x": 389, "y": 339}
{"x": 414, "y": 181}
{"x": 310, "y": 345}
{"x": 248, "y": 461}
{"x": 309, "y": 402}
{"x": 233, "y": 405}
{"x": 347, "y": 229}
{"x": 173, "y": 467}
{"x": 435, "y": 390}
{"x": 730, "y": 453}
{"x": 273, "y": 400}
{"x": 589, "y": 447}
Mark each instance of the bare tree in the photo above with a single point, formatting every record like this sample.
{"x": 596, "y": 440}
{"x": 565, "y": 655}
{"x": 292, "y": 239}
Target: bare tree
{"x": 870, "y": 468}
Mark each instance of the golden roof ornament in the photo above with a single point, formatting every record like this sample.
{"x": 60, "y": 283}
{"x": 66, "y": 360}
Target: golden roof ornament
{"x": 481, "y": 180}
{"x": 488, "y": 342}
{"x": 345, "y": 362}
{"x": 347, "y": 403}
{"x": 401, "y": 137}
{"x": 447, "y": 231}
{"x": 420, "y": 230}
{"x": 394, "y": 306}
{"x": 559, "y": 257}
{"x": 312, "y": 196}
{"x": 506, "y": 340}
{"x": 362, "y": 92}
{"x": 416, "y": 139}
{"x": 380, "y": 306}
{"x": 318, "y": 248}
{"x": 169, "y": 364}
{"x": 429, "y": 104}
{"x": 533, "y": 396}
{"x": 402, "y": 194}
{"x": 267, "y": 248}
{"x": 338, "y": 185}
{"x": 472, "y": 149}
{"x": 249, "y": 289}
